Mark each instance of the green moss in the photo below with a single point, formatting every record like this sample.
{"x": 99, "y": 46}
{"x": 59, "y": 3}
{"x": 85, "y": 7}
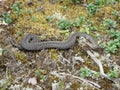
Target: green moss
{"x": 54, "y": 55}
{"x": 20, "y": 56}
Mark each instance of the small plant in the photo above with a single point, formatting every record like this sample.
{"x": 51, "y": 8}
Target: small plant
{"x": 43, "y": 78}
{"x": 109, "y": 23}
{"x": 85, "y": 30}
{"x": 96, "y": 74}
{"x": 64, "y": 7}
{"x": 110, "y": 1}
{"x": 39, "y": 74}
{"x": 113, "y": 74}
{"x": 20, "y": 33}
{"x": 85, "y": 72}
{"x": 16, "y": 8}
{"x": 79, "y": 21}
{"x": 90, "y": 25}
{"x": 92, "y": 9}
{"x": 99, "y": 2}
{"x": 50, "y": 18}
{"x": 114, "y": 44}
{"x": 62, "y": 85}
{"x": 6, "y": 17}
{"x": 64, "y": 24}
{"x": 115, "y": 12}
{"x": 115, "y": 34}
{"x": 111, "y": 47}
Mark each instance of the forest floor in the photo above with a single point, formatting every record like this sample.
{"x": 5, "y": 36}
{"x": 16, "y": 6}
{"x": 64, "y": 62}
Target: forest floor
{"x": 77, "y": 68}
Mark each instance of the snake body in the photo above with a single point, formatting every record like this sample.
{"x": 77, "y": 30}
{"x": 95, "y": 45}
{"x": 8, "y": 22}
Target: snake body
{"x": 31, "y": 42}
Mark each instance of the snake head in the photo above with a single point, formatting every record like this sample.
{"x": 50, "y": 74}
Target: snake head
{"x": 20, "y": 47}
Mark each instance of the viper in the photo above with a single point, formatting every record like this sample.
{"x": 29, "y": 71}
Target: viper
{"x": 31, "y": 42}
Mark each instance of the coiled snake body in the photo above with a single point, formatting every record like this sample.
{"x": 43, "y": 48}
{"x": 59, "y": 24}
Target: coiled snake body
{"x": 30, "y": 42}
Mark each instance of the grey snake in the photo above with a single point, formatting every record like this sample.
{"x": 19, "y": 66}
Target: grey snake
{"x": 31, "y": 42}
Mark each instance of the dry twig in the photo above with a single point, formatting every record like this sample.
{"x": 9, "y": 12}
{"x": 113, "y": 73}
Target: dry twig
{"x": 76, "y": 77}
{"x": 97, "y": 61}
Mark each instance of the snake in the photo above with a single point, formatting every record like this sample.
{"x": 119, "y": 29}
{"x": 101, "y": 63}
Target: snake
{"x": 31, "y": 42}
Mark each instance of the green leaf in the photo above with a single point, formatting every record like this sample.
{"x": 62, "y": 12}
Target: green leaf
{"x": 113, "y": 74}
{"x": 64, "y": 24}
{"x": 8, "y": 20}
{"x": 85, "y": 72}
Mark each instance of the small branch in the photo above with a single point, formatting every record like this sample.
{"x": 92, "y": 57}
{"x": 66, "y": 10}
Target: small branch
{"x": 78, "y": 78}
{"x": 97, "y": 61}
{"x": 63, "y": 59}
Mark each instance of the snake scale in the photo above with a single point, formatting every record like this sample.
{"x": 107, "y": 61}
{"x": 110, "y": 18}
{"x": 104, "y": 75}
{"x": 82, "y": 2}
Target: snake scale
{"x": 31, "y": 42}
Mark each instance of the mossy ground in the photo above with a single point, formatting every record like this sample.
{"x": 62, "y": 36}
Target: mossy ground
{"x": 22, "y": 65}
